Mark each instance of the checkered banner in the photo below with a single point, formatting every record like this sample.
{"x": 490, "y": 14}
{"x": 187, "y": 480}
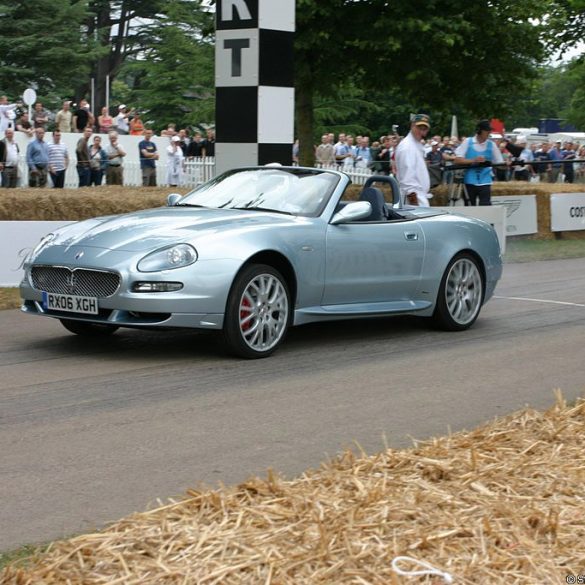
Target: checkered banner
{"x": 254, "y": 82}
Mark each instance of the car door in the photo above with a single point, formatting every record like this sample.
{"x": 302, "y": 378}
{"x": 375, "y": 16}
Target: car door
{"x": 370, "y": 262}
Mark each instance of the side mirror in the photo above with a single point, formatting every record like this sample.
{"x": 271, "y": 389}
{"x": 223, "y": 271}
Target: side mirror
{"x": 352, "y": 212}
{"x": 173, "y": 199}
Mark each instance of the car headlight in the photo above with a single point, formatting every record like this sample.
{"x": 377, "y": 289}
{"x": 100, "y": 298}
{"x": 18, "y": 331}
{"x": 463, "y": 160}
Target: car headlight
{"x": 169, "y": 258}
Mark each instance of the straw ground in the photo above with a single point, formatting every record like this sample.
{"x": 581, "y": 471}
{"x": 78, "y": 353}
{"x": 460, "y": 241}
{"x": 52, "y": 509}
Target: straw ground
{"x": 503, "y": 504}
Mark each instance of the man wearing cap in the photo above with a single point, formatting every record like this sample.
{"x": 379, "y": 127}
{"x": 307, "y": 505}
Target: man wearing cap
{"x": 411, "y": 169}
{"x": 122, "y": 123}
{"x": 479, "y": 153}
{"x": 175, "y": 162}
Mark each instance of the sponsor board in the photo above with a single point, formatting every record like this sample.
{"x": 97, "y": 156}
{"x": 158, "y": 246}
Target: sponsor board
{"x": 567, "y": 212}
{"x": 521, "y": 216}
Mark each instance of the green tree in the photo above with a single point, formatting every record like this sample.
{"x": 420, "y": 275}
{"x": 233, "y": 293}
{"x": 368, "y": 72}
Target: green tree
{"x": 172, "y": 78}
{"x": 43, "y": 44}
{"x": 127, "y": 31}
{"x": 443, "y": 55}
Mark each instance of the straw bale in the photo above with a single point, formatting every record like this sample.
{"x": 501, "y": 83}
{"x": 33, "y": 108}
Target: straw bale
{"x": 500, "y": 504}
{"x": 542, "y": 191}
{"x": 78, "y": 204}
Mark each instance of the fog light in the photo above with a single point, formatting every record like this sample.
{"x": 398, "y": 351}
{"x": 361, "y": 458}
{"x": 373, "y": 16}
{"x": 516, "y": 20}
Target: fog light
{"x": 156, "y": 286}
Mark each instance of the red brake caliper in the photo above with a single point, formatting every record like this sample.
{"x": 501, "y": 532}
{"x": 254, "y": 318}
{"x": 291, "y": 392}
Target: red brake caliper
{"x": 244, "y": 312}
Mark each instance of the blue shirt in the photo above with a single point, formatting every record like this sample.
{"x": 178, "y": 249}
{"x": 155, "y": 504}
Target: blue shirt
{"x": 150, "y": 147}
{"x": 364, "y": 154}
{"x": 37, "y": 154}
{"x": 555, "y": 156}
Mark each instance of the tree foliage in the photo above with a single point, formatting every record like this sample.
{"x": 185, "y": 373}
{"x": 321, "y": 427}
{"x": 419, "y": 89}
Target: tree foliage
{"x": 168, "y": 35}
{"x": 442, "y": 55}
{"x": 172, "y": 78}
{"x": 361, "y": 65}
{"x": 44, "y": 44}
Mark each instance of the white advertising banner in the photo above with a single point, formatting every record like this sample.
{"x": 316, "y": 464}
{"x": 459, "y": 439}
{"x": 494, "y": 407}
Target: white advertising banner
{"x": 521, "y": 216}
{"x": 567, "y": 212}
{"x": 492, "y": 214}
{"x": 17, "y": 239}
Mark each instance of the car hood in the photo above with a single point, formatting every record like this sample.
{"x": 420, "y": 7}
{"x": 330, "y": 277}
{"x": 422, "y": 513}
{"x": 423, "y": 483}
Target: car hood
{"x": 147, "y": 230}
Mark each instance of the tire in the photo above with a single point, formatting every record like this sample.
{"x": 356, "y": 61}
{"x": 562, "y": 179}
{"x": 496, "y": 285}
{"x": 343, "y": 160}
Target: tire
{"x": 258, "y": 312}
{"x": 88, "y": 329}
{"x": 460, "y": 295}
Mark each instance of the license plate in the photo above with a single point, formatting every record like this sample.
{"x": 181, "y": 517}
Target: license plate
{"x": 70, "y": 303}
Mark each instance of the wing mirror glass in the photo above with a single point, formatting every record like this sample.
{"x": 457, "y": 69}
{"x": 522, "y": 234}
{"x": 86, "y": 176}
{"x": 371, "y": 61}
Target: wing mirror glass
{"x": 173, "y": 199}
{"x": 352, "y": 212}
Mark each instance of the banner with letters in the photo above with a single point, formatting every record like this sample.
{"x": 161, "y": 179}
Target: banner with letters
{"x": 567, "y": 212}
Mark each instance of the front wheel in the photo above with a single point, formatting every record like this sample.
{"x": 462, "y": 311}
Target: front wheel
{"x": 460, "y": 294}
{"x": 87, "y": 329}
{"x": 258, "y": 312}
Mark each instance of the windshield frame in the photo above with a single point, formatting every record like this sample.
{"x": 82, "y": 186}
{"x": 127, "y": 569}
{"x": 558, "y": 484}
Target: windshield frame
{"x": 200, "y": 195}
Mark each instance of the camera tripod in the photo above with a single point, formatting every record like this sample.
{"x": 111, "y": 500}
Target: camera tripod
{"x": 457, "y": 190}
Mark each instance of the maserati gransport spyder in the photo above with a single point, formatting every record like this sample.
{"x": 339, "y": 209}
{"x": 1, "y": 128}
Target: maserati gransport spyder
{"x": 258, "y": 250}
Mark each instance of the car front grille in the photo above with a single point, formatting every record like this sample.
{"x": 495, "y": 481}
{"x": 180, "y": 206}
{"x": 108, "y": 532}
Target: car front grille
{"x": 77, "y": 281}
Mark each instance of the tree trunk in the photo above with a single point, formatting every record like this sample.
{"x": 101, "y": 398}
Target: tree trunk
{"x": 114, "y": 52}
{"x": 305, "y": 121}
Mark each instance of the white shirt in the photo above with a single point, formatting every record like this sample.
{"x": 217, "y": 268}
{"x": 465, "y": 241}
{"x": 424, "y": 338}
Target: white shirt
{"x": 122, "y": 122}
{"x": 7, "y": 116}
{"x": 11, "y": 154}
{"x": 174, "y": 165}
{"x": 480, "y": 147}
{"x": 411, "y": 170}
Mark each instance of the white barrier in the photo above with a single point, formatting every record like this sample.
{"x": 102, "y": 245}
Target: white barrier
{"x": 17, "y": 238}
{"x": 521, "y": 216}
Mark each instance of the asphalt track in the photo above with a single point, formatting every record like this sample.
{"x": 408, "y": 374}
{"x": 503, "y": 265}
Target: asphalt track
{"x": 92, "y": 431}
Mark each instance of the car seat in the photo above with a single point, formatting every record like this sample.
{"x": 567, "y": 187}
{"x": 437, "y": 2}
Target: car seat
{"x": 375, "y": 198}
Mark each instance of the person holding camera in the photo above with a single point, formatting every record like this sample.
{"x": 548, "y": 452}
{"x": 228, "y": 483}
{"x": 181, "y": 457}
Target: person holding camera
{"x": 479, "y": 153}
{"x": 121, "y": 121}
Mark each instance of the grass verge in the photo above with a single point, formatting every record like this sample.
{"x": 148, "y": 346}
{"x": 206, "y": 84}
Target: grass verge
{"x": 21, "y": 556}
{"x": 525, "y": 250}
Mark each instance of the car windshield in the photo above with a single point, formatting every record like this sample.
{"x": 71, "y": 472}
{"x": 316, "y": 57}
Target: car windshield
{"x": 293, "y": 191}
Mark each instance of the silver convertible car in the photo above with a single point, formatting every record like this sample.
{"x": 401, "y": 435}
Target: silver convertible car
{"x": 257, "y": 250}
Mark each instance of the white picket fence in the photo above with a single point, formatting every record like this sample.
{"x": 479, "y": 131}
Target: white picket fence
{"x": 196, "y": 171}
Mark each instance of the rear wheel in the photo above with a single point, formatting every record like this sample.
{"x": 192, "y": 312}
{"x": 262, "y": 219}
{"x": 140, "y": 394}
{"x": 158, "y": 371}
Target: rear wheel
{"x": 258, "y": 312}
{"x": 88, "y": 329}
{"x": 460, "y": 295}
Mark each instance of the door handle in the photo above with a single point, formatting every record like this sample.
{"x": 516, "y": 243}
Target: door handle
{"x": 411, "y": 236}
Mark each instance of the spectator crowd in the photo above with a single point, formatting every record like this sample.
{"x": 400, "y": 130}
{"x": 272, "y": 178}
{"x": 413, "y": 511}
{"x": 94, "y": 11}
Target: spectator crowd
{"x": 538, "y": 161}
{"x": 47, "y": 156}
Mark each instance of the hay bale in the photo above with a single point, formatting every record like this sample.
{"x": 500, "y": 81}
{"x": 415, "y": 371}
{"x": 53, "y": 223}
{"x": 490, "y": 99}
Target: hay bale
{"x": 503, "y": 504}
{"x": 78, "y": 204}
